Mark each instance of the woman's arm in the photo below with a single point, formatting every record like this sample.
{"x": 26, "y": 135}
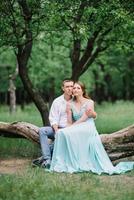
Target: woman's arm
{"x": 83, "y": 118}
{"x": 89, "y": 112}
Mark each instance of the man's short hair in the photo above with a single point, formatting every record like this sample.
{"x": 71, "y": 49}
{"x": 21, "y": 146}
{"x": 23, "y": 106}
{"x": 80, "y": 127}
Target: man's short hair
{"x": 67, "y": 80}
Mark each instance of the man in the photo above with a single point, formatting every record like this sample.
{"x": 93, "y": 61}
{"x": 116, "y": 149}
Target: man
{"x": 58, "y": 119}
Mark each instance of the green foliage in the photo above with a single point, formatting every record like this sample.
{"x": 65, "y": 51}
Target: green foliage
{"x": 54, "y": 26}
{"x": 119, "y": 64}
{"x": 7, "y": 66}
{"x": 52, "y": 65}
{"x": 13, "y": 27}
{"x": 96, "y": 15}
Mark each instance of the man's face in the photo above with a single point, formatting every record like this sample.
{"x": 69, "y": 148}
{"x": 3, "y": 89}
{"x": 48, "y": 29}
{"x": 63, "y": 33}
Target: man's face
{"x": 68, "y": 88}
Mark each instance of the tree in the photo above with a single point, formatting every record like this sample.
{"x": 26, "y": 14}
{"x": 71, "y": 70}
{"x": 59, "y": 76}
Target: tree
{"x": 11, "y": 90}
{"x": 90, "y": 26}
{"x": 117, "y": 73}
{"x": 20, "y": 21}
{"x": 93, "y": 26}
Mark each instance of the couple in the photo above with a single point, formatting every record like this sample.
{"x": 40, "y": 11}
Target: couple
{"x": 78, "y": 147}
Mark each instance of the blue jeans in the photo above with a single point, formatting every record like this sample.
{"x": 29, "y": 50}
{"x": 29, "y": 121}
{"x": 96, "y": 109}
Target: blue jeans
{"x": 45, "y": 133}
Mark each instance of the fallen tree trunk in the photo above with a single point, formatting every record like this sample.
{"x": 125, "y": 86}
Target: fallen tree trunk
{"x": 119, "y": 145}
{"x": 19, "y": 129}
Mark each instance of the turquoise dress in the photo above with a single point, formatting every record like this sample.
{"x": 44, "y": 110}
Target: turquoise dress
{"x": 78, "y": 148}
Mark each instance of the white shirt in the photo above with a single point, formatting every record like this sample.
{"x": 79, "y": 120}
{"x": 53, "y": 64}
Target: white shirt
{"x": 57, "y": 114}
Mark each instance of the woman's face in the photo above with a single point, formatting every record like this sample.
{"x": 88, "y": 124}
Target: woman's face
{"x": 77, "y": 90}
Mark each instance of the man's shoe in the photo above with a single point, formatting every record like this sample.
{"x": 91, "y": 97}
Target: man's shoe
{"x": 46, "y": 164}
{"x": 37, "y": 162}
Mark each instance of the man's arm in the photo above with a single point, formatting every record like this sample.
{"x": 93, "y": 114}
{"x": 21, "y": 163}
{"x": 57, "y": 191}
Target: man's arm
{"x": 91, "y": 113}
{"x": 53, "y": 116}
{"x": 90, "y": 110}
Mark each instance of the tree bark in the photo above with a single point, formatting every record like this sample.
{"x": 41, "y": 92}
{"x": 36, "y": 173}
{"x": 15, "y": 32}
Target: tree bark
{"x": 20, "y": 129}
{"x": 119, "y": 145}
{"x": 12, "y": 90}
{"x": 23, "y": 55}
{"x": 33, "y": 93}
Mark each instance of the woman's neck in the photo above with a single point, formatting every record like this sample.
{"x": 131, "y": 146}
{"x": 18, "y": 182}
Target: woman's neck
{"x": 80, "y": 99}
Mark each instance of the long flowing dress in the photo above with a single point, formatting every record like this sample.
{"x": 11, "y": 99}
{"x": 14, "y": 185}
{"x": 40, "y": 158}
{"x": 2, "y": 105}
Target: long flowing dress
{"x": 78, "y": 148}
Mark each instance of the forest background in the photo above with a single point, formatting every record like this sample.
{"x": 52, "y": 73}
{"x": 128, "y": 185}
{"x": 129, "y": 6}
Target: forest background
{"x": 43, "y": 42}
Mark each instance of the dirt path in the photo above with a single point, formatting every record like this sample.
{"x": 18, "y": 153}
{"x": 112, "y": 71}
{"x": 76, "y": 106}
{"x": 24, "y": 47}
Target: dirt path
{"x": 11, "y": 166}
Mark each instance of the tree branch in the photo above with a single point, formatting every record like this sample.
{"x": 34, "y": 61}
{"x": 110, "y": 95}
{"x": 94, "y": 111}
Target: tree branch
{"x": 89, "y": 48}
{"x": 80, "y": 12}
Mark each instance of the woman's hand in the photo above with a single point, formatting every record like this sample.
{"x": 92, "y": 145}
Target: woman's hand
{"x": 69, "y": 114}
{"x": 68, "y": 108}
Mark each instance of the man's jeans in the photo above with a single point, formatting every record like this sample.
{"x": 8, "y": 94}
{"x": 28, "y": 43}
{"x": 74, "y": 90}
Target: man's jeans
{"x": 44, "y": 134}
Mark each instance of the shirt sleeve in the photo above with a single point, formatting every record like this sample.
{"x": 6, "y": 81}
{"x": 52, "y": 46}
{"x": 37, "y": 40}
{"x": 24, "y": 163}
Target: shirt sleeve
{"x": 54, "y": 113}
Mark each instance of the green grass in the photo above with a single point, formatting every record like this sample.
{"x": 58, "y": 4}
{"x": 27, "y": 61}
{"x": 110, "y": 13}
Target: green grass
{"x": 40, "y": 185}
{"x": 29, "y": 114}
{"x": 113, "y": 117}
{"x": 20, "y": 148}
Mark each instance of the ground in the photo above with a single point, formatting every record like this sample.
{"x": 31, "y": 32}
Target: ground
{"x": 11, "y": 166}
{"x": 18, "y": 166}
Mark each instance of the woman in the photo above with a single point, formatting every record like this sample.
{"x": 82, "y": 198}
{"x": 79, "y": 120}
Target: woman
{"x": 78, "y": 148}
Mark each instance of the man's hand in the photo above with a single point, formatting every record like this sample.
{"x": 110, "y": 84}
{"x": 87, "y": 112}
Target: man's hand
{"x": 55, "y": 127}
{"x": 90, "y": 113}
